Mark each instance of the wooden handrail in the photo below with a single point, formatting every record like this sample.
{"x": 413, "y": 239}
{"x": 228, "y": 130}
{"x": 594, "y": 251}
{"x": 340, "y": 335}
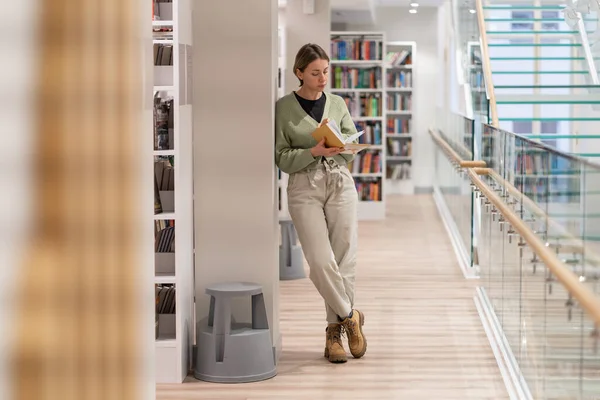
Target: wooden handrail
{"x": 454, "y": 157}
{"x": 485, "y": 59}
{"x": 530, "y": 205}
{"x": 586, "y": 298}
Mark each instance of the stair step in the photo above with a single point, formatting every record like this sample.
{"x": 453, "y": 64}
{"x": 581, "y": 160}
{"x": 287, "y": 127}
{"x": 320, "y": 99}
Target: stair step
{"x": 559, "y": 136}
{"x": 524, "y": 7}
{"x": 537, "y": 58}
{"x": 531, "y": 19}
{"x": 537, "y": 72}
{"x": 533, "y": 32}
{"x": 534, "y": 45}
{"x": 548, "y": 99}
{"x": 550, "y": 119}
{"x": 546, "y": 86}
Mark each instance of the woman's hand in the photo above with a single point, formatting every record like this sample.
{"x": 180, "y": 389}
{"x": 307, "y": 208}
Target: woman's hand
{"x": 321, "y": 150}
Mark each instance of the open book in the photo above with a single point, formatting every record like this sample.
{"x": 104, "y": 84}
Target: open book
{"x": 334, "y": 138}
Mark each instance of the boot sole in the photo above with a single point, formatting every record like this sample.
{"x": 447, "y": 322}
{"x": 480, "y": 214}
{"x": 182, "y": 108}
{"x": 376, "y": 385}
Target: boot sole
{"x": 360, "y": 325}
{"x": 340, "y": 360}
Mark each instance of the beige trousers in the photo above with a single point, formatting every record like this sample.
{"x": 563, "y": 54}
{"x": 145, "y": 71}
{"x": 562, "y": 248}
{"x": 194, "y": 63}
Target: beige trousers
{"x": 323, "y": 205}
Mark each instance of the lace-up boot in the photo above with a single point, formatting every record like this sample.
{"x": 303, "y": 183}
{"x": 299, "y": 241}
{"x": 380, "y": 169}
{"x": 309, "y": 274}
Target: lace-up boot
{"x": 334, "y": 349}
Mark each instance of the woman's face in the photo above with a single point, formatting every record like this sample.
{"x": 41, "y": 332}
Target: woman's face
{"x": 315, "y": 75}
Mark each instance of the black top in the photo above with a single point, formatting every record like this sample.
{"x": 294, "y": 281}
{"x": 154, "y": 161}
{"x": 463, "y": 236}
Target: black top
{"x": 314, "y": 108}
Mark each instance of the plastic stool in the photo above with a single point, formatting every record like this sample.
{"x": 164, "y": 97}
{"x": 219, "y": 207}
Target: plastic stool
{"x": 229, "y": 352}
{"x": 291, "y": 259}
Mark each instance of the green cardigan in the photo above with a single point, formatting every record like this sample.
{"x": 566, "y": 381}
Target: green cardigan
{"x": 293, "y": 129}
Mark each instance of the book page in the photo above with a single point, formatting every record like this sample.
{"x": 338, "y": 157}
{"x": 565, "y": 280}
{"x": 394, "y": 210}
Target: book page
{"x": 335, "y": 129}
{"x": 352, "y": 138}
{"x": 354, "y": 148}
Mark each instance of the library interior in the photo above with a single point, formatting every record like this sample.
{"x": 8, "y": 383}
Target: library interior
{"x": 179, "y": 230}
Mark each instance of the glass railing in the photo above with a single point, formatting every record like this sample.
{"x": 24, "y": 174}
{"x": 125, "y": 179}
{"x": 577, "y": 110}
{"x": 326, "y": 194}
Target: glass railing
{"x": 451, "y": 185}
{"x": 541, "y": 289}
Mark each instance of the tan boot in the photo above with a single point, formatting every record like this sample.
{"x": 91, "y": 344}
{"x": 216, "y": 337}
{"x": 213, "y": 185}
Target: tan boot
{"x": 356, "y": 339}
{"x": 334, "y": 349}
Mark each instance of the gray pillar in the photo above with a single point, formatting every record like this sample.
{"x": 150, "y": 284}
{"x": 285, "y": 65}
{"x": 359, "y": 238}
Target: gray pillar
{"x": 234, "y": 79}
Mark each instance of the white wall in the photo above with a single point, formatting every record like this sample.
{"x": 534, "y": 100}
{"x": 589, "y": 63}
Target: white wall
{"x": 399, "y": 24}
{"x": 303, "y": 28}
{"x": 235, "y": 78}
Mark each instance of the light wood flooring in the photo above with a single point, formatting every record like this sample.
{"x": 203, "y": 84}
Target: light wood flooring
{"x": 425, "y": 339}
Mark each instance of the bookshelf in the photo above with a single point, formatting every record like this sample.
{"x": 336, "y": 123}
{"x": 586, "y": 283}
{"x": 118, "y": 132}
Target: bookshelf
{"x": 282, "y": 177}
{"x": 173, "y": 193}
{"x": 358, "y": 75}
{"x": 399, "y": 85}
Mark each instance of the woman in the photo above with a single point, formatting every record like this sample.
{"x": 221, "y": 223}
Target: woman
{"x": 322, "y": 197}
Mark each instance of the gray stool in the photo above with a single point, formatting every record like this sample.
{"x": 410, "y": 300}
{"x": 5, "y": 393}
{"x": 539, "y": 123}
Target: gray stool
{"x": 291, "y": 259}
{"x": 229, "y": 352}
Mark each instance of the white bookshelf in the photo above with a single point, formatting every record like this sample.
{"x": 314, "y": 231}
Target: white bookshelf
{"x": 282, "y": 179}
{"x": 174, "y": 267}
{"x": 399, "y": 87}
{"x": 362, "y": 75}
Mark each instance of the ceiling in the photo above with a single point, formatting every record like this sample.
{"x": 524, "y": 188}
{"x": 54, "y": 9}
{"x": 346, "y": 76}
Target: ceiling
{"x": 363, "y": 11}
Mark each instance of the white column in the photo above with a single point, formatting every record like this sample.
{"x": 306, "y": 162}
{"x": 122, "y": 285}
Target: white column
{"x": 304, "y": 28}
{"x": 235, "y": 201}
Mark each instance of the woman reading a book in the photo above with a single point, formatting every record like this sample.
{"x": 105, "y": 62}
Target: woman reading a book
{"x": 322, "y": 196}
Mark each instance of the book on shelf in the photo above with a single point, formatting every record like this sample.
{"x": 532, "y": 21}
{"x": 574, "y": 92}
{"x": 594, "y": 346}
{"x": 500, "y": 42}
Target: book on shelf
{"x": 334, "y": 138}
{"x": 163, "y": 53}
{"x": 369, "y": 189}
{"x": 372, "y": 133}
{"x": 356, "y": 78}
{"x": 399, "y": 102}
{"x": 398, "y": 125}
{"x": 395, "y": 58}
{"x": 163, "y": 122}
{"x": 399, "y": 147}
{"x": 356, "y": 49}
{"x": 399, "y": 79}
{"x": 366, "y": 163}
{"x": 399, "y": 171}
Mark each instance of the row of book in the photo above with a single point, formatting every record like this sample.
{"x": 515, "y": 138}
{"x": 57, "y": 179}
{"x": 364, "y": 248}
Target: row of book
{"x": 399, "y": 79}
{"x": 163, "y": 122}
{"x": 398, "y": 125}
{"x": 163, "y": 54}
{"x": 397, "y": 58}
{"x": 365, "y": 104}
{"x": 372, "y": 133}
{"x": 164, "y": 184}
{"x": 399, "y": 171}
{"x": 369, "y": 189}
{"x": 356, "y": 78}
{"x": 161, "y": 224}
{"x": 165, "y": 299}
{"x": 399, "y": 147}
{"x": 399, "y": 101}
{"x": 356, "y": 49}
{"x": 165, "y": 173}
{"x": 366, "y": 162}
{"x": 164, "y": 240}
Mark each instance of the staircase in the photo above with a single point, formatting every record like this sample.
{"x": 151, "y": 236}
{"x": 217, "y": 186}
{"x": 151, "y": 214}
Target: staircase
{"x": 540, "y": 74}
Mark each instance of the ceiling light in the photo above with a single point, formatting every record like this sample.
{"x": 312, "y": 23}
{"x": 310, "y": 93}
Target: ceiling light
{"x": 414, "y": 4}
{"x": 412, "y": 11}
{"x": 472, "y": 11}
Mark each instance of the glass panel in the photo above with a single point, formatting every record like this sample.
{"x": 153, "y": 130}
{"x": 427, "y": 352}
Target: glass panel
{"x": 451, "y": 183}
{"x": 552, "y": 339}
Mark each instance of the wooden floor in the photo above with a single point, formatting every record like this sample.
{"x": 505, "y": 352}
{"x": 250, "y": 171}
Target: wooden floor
{"x": 424, "y": 334}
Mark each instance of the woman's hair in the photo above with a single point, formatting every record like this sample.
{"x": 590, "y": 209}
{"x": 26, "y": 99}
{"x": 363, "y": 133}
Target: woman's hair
{"x": 307, "y": 54}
